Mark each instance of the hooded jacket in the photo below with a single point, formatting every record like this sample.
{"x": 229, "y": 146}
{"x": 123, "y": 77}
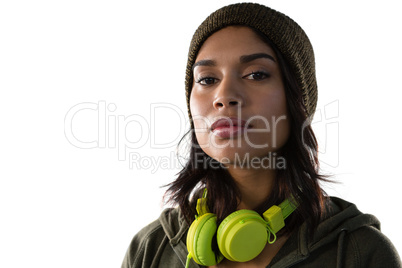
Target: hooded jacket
{"x": 344, "y": 238}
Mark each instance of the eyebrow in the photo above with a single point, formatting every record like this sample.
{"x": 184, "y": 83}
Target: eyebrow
{"x": 243, "y": 59}
{"x": 204, "y": 63}
{"x": 248, "y": 58}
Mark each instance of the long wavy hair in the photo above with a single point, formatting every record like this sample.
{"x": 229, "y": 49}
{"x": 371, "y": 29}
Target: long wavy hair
{"x": 300, "y": 178}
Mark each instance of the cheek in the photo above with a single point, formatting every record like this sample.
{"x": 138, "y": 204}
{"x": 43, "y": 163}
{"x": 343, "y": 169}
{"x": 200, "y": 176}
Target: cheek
{"x": 272, "y": 108}
{"x": 281, "y": 132}
{"x": 198, "y": 109}
{"x": 271, "y": 103}
{"x": 193, "y": 105}
{"x": 200, "y": 122}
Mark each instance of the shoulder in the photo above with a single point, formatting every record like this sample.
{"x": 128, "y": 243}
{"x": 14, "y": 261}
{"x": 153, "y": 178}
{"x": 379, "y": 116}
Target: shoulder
{"x": 151, "y": 241}
{"x": 371, "y": 248}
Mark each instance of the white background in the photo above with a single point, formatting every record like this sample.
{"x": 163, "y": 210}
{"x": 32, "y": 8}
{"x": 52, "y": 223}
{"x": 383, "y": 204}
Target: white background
{"x": 64, "y": 206}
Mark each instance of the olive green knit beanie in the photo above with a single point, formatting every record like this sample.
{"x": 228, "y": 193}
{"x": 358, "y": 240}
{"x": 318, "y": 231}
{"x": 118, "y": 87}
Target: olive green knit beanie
{"x": 287, "y": 35}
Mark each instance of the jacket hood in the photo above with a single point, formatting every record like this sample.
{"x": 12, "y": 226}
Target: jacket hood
{"x": 341, "y": 216}
{"x": 174, "y": 225}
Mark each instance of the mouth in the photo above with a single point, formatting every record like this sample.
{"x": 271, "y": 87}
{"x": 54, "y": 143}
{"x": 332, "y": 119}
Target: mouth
{"x": 229, "y": 127}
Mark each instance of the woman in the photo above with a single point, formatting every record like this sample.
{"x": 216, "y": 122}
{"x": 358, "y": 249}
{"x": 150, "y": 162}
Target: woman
{"x": 251, "y": 92}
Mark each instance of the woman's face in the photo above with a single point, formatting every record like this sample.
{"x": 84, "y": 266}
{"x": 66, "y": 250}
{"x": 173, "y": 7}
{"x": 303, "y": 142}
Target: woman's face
{"x": 238, "y": 100}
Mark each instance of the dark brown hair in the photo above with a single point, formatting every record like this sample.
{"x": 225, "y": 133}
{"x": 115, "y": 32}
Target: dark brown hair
{"x": 299, "y": 179}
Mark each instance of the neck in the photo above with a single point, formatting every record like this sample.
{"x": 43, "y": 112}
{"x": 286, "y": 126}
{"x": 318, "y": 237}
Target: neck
{"x": 255, "y": 185}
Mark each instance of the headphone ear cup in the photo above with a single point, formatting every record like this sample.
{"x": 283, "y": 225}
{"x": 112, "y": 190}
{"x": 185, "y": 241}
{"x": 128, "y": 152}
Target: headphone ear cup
{"x": 199, "y": 240}
{"x": 242, "y": 235}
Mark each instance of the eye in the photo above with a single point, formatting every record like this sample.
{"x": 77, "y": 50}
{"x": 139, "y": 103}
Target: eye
{"x": 206, "y": 80}
{"x": 257, "y": 76}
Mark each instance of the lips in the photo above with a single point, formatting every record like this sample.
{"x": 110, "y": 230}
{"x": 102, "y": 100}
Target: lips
{"x": 229, "y": 127}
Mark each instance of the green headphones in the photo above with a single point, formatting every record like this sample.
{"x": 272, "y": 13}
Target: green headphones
{"x": 241, "y": 236}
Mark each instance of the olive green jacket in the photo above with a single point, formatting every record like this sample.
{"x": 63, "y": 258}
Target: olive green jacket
{"x": 345, "y": 238}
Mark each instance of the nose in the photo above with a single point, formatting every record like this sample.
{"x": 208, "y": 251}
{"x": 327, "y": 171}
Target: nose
{"x": 228, "y": 95}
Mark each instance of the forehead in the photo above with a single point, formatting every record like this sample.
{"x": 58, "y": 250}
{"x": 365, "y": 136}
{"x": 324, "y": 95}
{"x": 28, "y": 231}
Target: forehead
{"x": 233, "y": 40}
